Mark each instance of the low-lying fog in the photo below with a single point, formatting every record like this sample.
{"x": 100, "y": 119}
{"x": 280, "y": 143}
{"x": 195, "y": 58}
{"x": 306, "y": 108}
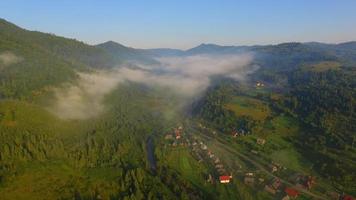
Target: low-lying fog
{"x": 188, "y": 76}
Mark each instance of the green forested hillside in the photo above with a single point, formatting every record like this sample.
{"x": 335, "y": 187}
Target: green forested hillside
{"x": 122, "y": 53}
{"x": 102, "y": 157}
{"x": 42, "y": 60}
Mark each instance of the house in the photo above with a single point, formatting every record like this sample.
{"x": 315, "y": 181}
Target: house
{"x": 234, "y": 133}
{"x": 249, "y": 180}
{"x": 347, "y": 197}
{"x": 259, "y": 84}
{"x": 210, "y": 179}
{"x": 177, "y": 133}
{"x": 219, "y": 166}
{"x": 225, "y": 179}
{"x": 286, "y": 197}
{"x": 276, "y": 183}
{"x": 168, "y": 137}
{"x": 292, "y": 193}
{"x": 217, "y": 160}
{"x": 274, "y": 168}
{"x": 210, "y": 154}
{"x": 261, "y": 141}
{"x": 204, "y": 147}
{"x": 310, "y": 182}
{"x": 249, "y": 174}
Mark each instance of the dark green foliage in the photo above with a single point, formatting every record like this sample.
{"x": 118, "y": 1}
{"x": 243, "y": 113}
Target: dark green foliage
{"x": 327, "y": 100}
{"x": 103, "y": 156}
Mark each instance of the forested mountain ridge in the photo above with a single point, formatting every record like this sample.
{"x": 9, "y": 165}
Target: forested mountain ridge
{"x": 31, "y": 61}
{"x": 122, "y": 53}
{"x": 71, "y": 50}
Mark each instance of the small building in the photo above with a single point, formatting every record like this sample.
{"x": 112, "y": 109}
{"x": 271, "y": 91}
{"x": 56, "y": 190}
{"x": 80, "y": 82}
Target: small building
{"x": 276, "y": 183}
{"x": 291, "y": 192}
{"x": 225, "y": 179}
{"x": 261, "y": 141}
{"x": 286, "y": 197}
{"x": 178, "y": 134}
{"x": 204, "y": 147}
{"x": 274, "y": 168}
{"x": 259, "y": 84}
{"x": 310, "y": 182}
{"x": 210, "y": 179}
{"x": 234, "y": 133}
{"x": 347, "y": 197}
{"x": 168, "y": 137}
{"x": 249, "y": 174}
{"x": 218, "y": 166}
{"x": 249, "y": 180}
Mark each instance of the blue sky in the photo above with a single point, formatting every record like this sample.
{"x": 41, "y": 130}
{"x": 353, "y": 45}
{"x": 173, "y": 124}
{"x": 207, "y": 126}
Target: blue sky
{"x": 186, "y": 23}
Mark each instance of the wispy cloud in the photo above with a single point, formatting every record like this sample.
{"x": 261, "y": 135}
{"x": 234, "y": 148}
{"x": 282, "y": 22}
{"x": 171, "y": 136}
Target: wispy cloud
{"x": 187, "y": 76}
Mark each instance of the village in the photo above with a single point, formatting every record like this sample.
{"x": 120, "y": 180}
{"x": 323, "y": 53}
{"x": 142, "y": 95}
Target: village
{"x": 263, "y": 178}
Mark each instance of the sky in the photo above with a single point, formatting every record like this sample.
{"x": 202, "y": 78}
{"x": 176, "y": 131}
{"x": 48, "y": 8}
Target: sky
{"x": 186, "y": 23}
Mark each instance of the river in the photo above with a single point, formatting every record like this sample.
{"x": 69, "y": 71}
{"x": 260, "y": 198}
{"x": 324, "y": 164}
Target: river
{"x": 151, "y": 154}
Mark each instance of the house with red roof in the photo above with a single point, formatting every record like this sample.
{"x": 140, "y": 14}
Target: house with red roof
{"x": 293, "y": 193}
{"x": 225, "y": 179}
{"x": 347, "y": 197}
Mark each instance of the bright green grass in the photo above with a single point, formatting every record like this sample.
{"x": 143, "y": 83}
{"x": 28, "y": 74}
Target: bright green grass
{"x": 324, "y": 66}
{"x": 246, "y": 106}
{"x": 284, "y": 125}
{"x": 181, "y": 160}
{"x": 288, "y": 158}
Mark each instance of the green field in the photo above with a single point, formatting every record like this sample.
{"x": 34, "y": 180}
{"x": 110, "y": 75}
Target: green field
{"x": 324, "y": 66}
{"x": 181, "y": 160}
{"x": 250, "y": 107}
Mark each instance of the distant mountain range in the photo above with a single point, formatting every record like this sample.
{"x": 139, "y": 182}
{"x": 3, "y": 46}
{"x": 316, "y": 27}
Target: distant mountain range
{"x": 311, "y": 51}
